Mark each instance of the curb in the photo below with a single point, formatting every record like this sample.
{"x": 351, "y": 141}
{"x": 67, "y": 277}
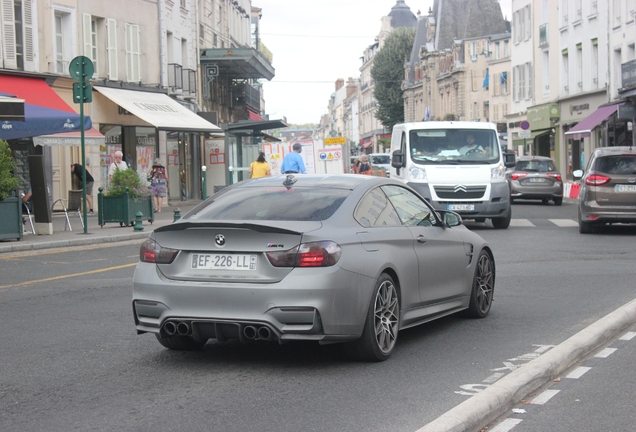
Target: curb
{"x": 21, "y": 247}
{"x": 485, "y": 407}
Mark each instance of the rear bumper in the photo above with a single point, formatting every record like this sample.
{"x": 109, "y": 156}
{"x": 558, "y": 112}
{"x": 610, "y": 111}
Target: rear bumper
{"x": 331, "y": 307}
{"x": 536, "y": 192}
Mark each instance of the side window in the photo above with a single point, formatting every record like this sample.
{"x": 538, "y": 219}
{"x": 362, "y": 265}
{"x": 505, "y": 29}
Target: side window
{"x": 374, "y": 209}
{"x": 411, "y": 209}
{"x": 403, "y": 144}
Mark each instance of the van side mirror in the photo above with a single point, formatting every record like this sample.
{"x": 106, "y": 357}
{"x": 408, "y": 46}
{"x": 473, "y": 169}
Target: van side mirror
{"x": 509, "y": 158}
{"x": 397, "y": 160}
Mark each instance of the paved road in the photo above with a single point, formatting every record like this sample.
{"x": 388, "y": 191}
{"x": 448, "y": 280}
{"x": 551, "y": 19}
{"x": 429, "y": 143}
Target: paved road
{"x": 76, "y": 362}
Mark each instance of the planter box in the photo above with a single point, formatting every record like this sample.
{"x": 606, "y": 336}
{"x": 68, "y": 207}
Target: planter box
{"x": 11, "y": 217}
{"x": 123, "y": 209}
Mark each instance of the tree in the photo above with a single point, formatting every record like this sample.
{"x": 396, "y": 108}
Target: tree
{"x": 388, "y": 74}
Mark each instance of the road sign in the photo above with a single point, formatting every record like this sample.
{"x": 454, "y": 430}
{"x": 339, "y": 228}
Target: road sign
{"x": 330, "y": 155}
{"x": 525, "y": 125}
{"x": 82, "y": 92}
{"x": 525, "y": 134}
{"x": 81, "y": 69}
{"x": 335, "y": 141}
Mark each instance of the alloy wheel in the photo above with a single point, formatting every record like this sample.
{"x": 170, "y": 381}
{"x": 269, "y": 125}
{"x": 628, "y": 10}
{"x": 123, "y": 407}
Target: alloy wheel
{"x": 386, "y": 309}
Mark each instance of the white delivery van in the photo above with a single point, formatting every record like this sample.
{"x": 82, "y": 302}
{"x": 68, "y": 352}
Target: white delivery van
{"x": 456, "y": 166}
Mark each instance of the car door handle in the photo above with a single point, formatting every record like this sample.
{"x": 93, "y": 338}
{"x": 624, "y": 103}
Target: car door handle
{"x": 421, "y": 239}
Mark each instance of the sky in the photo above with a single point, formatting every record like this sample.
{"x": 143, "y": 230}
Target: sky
{"x": 315, "y": 42}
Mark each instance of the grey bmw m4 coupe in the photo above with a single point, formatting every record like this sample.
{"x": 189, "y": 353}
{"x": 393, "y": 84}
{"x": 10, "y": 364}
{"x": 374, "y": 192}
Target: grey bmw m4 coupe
{"x": 326, "y": 258}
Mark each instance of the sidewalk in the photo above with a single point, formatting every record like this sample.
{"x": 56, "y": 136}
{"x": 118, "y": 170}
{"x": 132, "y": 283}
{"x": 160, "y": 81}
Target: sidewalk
{"x": 110, "y": 232}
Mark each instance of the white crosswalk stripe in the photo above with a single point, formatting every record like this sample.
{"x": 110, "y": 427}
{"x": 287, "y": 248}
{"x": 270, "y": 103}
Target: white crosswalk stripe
{"x": 561, "y": 223}
{"x": 521, "y": 223}
{"x": 564, "y": 222}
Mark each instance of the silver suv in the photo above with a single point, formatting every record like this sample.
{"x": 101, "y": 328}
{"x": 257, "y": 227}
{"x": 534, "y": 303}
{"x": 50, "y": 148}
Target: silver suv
{"x": 608, "y": 188}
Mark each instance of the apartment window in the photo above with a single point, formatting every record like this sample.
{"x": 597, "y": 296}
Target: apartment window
{"x": 515, "y": 83}
{"x": 616, "y": 22}
{"x": 522, "y": 82}
{"x": 528, "y": 22}
{"x": 631, "y": 10}
{"x": 593, "y": 7}
{"x": 441, "y": 102}
{"x": 495, "y": 113}
{"x": 631, "y": 55}
{"x": 503, "y": 79}
{"x": 564, "y": 13}
{"x": 133, "y": 55}
{"x": 19, "y": 42}
{"x": 530, "y": 81}
{"x": 545, "y": 73}
{"x": 522, "y": 25}
{"x": 59, "y": 45}
{"x": 475, "y": 111}
{"x": 497, "y": 50}
{"x": 111, "y": 48}
{"x": 617, "y": 69}
{"x": 506, "y": 49}
{"x": 579, "y": 66}
{"x": 594, "y": 63}
{"x": 89, "y": 29}
{"x": 578, "y": 9}
{"x": 496, "y": 86}
{"x": 475, "y": 80}
{"x": 504, "y": 110}
{"x": 545, "y": 11}
{"x": 184, "y": 53}
{"x": 566, "y": 71}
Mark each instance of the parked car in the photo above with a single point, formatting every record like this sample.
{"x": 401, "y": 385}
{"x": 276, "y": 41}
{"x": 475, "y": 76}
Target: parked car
{"x": 335, "y": 258}
{"x": 536, "y": 178}
{"x": 608, "y": 188}
{"x": 382, "y": 160}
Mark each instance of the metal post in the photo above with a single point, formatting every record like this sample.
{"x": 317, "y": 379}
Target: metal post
{"x": 84, "y": 213}
{"x": 204, "y": 186}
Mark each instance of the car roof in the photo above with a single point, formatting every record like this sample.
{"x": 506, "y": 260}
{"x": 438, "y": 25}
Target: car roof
{"x": 341, "y": 181}
{"x": 603, "y": 151}
{"x": 527, "y": 158}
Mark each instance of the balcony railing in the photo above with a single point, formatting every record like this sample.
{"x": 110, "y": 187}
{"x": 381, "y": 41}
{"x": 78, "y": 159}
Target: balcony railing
{"x": 543, "y": 35}
{"x": 247, "y": 95}
{"x": 175, "y": 76}
{"x": 189, "y": 81}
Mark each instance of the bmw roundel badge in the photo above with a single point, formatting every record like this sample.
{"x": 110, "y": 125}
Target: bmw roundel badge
{"x": 219, "y": 239}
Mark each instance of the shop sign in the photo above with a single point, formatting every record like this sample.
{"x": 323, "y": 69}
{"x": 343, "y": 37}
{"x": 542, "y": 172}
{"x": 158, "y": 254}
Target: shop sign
{"x": 627, "y": 111}
{"x": 628, "y": 74}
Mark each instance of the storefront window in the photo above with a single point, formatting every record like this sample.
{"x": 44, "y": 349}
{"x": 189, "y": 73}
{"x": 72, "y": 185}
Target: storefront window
{"x": 146, "y": 144}
{"x": 112, "y": 143}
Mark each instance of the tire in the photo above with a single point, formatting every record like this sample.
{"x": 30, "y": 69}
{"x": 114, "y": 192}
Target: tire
{"x": 502, "y": 222}
{"x": 381, "y": 325}
{"x": 558, "y": 201}
{"x": 481, "y": 294}
{"x": 585, "y": 227}
{"x": 180, "y": 343}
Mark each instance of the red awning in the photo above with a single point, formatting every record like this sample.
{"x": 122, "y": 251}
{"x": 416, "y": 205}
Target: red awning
{"x": 254, "y": 116}
{"x": 366, "y": 144}
{"x": 585, "y": 127}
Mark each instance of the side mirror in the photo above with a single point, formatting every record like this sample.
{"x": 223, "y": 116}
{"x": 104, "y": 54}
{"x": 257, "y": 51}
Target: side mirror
{"x": 577, "y": 174}
{"x": 450, "y": 218}
{"x": 509, "y": 158}
{"x": 397, "y": 159}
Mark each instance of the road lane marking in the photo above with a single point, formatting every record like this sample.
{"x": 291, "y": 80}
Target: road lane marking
{"x": 521, "y": 223}
{"x": 506, "y": 425}
{"x": 628, "y": 336}
{"x": 564, "y": 222}
{"x": 605, "y": 353}
{"x": 68, "y": 276}
{"x": 578, "y": 372}
{"x": 544, "y": 397}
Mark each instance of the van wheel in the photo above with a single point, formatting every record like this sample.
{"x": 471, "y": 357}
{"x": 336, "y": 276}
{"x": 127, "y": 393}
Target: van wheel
{"x": 502, "y": 222}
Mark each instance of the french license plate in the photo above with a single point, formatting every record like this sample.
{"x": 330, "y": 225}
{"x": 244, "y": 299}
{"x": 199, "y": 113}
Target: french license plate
{"x": 456, "y": 207}
{"x": 536, "y": 180}
{"x": 223, "y": 262}
{"x": 625, "y": 188}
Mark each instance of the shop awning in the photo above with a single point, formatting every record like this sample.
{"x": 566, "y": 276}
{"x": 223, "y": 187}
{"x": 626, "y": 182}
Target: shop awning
{"x": 159, "y": 110}
{"x": 366, "y": 144}
{"x": 92, "y": 137}
{"x": 254, "y": 116}
{"x": 584, "y": 128}
{"x": 45, "y": 112}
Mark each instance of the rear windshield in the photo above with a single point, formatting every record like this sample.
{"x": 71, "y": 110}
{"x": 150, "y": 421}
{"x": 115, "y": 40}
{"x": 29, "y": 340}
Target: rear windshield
{"x": 536, "y": 166}
{"x": 381, "y": 160}
{"x": 278, "y": 203}
{"x": 616, "y": 164}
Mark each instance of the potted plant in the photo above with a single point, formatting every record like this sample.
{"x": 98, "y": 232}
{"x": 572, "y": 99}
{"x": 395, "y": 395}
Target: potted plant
{"x": 125, "y": 196}
{"x": 10, "y": 204}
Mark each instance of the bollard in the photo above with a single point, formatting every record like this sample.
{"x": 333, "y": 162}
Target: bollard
{"x": 177, "y": 214}
{"x": 138, "y": 222}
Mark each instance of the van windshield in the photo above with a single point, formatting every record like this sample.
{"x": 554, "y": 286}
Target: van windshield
{"x": 457, "y": 146}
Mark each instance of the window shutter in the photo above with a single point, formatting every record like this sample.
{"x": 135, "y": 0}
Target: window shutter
{"x": 136, "y": 54}
{"x": 112, "y": 49}
{"x": 87, "y": 36}
{"x": 8, "y": 35}
{"x": 27, "y": 20}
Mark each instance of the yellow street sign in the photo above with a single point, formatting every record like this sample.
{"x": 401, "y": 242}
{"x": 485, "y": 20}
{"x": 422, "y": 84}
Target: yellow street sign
{"x": 335, "y": 141}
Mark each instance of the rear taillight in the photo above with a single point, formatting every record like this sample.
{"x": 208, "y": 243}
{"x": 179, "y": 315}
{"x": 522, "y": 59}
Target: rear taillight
{"x": 555, "y": 176}
{"x": 516, "y": 175}
{"x": 318, "y": 254}
{"x": 596, "y": 180}
{"x": 152, "y": 252}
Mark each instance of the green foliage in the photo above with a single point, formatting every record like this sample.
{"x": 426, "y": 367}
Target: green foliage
{"x": 8, "y": 181}
{"x": 127, "y": 178}
{"x": 388, "y": 74}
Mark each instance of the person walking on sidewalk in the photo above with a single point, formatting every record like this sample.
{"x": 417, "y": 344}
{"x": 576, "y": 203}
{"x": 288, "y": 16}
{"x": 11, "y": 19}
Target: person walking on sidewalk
{"x": 119, "y": 164}
{"x": 158, "y": 184}
{"x": 260, "y": 167}
{"x": 293, "y": 162}
{"x": 78, "y": 170}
